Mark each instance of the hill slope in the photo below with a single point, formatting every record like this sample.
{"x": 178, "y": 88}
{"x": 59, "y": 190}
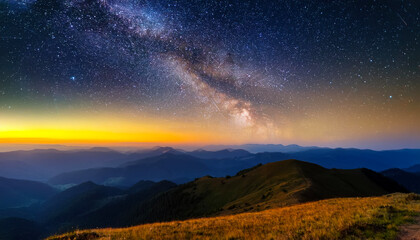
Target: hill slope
{"x": 19, "y": 229}
{"x": 92, "y": 205}
{"x": 76, "y": 201}
{"x": 19, "y": 193}
{"x": 409, "y": 180}
{"x": 120, "y": 212}
{"x": 344, "y": 218}
{"x": 262, "y": 187}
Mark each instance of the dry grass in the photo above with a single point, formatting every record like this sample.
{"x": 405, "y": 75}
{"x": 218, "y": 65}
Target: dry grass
{"x": 343, "y": 218}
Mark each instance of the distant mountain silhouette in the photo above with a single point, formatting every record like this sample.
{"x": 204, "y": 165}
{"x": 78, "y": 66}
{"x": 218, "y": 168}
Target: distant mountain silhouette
{"x": 346, "y": 158}
{"x": 409, "y": 180}
{"x": 226, "y": 153}
{"x": 149, "y": 156}
{"x": 173, "y": 167}
{"x": 181, "y": 167}
{"x": 89, "y": 204}
{"x": 42, "y": 164}
{"x": 356, "y": 158}
{"x": 22, "y": 193}
{"x": 153, "y": 152}
{"x": 75, "y": 201}
{"x": 124, "y": 210}
{"x": 256, "y": 148}
{"x": 414, "y": 168}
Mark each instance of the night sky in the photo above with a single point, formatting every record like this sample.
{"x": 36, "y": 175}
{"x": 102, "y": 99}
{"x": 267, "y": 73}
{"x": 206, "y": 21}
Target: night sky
{"x": 329, "y": 73}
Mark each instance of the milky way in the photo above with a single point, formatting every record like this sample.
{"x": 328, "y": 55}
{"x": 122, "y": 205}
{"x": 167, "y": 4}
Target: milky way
{"x": 279, "y": 70}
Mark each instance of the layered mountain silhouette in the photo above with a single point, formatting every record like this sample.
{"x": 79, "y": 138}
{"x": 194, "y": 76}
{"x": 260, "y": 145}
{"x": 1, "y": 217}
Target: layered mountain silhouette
{"x": 264, "y": 186}
{"x": 174, "y": 167}
{"x": 124, "y": 211}
{"x": 271, "y": 185}
{"x": 409, "y": 180}
{"x": 93, "y": 205}
{"x": 141, "y": 187}
{"x": 221, "y": 154}
{"x": 415, "y": 168}
{"x": 180, "y": 167}
{"x": 256, "y": 148}
{"x": 16, "y": 193}
{"x": 357, "y": 158}
{"x": 75, "y": 201}
{"x": 267, "y": 185}
{"x": 42, "y": 164}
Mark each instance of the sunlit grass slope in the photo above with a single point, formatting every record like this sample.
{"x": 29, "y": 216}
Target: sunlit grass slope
{"x": 340, "y": 218}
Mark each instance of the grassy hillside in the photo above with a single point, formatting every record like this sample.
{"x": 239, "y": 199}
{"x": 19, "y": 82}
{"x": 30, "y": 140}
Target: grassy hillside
{"x": 263, "y": 187}
{"x": 259, "y": 188}
{"x": 341, "y": 218}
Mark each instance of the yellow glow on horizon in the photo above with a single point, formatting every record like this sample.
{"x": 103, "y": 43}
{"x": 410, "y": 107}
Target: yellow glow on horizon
{"x": 128, "y": 127}
{"x": 97, "y": 129}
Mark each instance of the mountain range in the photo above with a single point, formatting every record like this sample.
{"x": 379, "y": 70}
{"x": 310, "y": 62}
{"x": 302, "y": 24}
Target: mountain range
{"x": 42, "y": 164}
{"x": 174, "y": 167}
{"x": 141, "y": 187}
{"x": 256, "y": 148}
{"x": 264, "y": 186}
{"x": 180, "y": 166}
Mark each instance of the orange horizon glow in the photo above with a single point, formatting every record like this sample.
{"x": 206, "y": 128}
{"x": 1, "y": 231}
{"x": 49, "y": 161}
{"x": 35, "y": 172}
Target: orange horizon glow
{"x": 94, "y": 135}
{"x": 128, "y": 128}
{"x": 100, "y": 128}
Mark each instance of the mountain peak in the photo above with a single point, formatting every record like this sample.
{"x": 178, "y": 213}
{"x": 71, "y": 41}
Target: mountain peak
{"x": 163, "y": 149}
{"x": 101, "y": 149}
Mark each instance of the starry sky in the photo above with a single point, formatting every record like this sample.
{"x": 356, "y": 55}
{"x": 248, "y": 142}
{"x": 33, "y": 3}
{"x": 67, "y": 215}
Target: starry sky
{"x": 329, "y": 73}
